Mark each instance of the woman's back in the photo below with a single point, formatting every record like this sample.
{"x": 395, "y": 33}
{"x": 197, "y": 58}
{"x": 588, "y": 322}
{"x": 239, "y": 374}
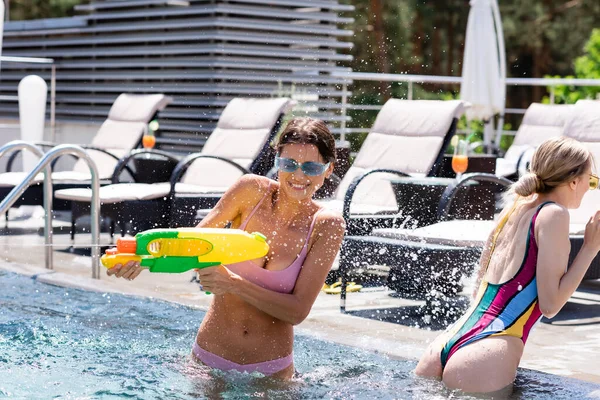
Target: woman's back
{"x": 511, "y": 243}
{"x": 523, "y": 273}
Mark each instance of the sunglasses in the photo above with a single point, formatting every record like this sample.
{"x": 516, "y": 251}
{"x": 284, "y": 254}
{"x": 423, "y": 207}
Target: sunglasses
{"x": 594, "y": 180}
{"x": 309, "y": 168}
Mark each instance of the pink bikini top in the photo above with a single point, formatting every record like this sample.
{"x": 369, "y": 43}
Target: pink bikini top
{"x": 282, "y": 281}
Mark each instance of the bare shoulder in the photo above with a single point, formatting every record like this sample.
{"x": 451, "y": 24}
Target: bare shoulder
{"x": 253, "y": 186}
{"x": 330, "y": 222}
{"x": 553, "y": 215}
{"x": 553, "y": 222}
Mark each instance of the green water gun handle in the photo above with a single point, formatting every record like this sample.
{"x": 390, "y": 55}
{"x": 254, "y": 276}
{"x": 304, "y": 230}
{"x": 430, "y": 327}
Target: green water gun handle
{"x": 174, "y": 264}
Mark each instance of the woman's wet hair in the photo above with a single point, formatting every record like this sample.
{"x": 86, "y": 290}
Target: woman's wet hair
{"x": 555, "y": 162}
{"x": 304, "y": 130}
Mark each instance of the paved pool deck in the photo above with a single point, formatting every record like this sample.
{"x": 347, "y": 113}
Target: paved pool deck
{"x": 568, "y": 345}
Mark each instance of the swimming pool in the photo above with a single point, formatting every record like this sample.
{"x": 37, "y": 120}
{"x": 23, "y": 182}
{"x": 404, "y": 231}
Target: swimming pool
{"x": 67, "y": 343}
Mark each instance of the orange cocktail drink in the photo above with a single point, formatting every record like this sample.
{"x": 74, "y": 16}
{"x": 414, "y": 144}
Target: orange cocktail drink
{"x": 460, "y": 163}
{"x": 148, "y": 141}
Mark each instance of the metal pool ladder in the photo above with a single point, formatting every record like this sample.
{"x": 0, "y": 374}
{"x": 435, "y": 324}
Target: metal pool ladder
{"x": 44, "y": 164}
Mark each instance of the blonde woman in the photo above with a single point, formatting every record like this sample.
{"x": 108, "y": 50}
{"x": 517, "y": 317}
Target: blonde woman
{"x": 523, "y": 273}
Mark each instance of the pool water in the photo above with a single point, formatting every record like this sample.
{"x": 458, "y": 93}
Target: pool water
{"x": 72, "y": 344}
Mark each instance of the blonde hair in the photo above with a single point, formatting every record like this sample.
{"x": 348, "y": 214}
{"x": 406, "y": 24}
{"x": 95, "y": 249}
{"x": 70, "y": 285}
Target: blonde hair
{"x": 555, "y": 162}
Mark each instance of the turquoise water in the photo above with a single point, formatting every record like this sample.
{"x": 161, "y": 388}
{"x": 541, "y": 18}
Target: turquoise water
{"x": 71, "y": 344}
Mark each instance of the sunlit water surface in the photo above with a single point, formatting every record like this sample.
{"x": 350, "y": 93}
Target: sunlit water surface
{"x": 72, "y": 344}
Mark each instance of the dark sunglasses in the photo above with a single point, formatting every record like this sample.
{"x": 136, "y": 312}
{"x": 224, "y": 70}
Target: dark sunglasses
{"x": 309, "y": 168}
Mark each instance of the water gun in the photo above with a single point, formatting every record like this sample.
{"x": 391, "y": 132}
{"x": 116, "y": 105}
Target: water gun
{"x": 184, "y": 249}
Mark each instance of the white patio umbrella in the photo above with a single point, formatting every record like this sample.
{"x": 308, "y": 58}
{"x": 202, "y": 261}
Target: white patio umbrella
{"x": 484, "y": 67}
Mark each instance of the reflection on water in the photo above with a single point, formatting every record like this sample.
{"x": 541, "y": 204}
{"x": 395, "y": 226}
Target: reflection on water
{"x": 57, "y": 342}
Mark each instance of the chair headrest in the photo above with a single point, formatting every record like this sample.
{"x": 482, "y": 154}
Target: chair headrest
{"x": 583, "y": 123}
{"x": 547, "y": 114}
{"x": 417, "y": 117}
{"x": 250, "y": 113}
{"x": 137, "y": 107}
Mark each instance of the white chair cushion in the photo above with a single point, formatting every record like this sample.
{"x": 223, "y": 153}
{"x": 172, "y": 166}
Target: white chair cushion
{"x": 409, "y": 154}
{"x": 137, "y": 107}
{"x": 122, "y": 130}
{"x": 249, "y": 114}
{"x": 355, "y": 208}
{"x": 9, "y": 179}
{"x": 117, "y": 193}
{"x": 105, "y": 163}
{"x": 12, "y": 179}
{"x": 183, "y": 188}
{"x": 213, "y": 173}
{"x": 375, "y": 190}
{"x": 407, "y": 136}
{"x": 589, "y": 205}
{"x": 235, "y": 144}
{"x": 417, "y": 117}
{"x": 584, "y": 122}
{"x": 459, "y": 233}
{"x": 120, "y": 192}
{"x": 242, "y": 130}
{"x": 119, "y": 134}
{"x": 71, "y": 177}
{"x": 505, "y": 167}
{"x": 540, "y": 122}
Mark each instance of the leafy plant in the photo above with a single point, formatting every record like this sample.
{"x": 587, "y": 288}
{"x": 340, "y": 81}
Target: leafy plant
{"x": 586, "y": 67}
{"x": 38, "y": 9}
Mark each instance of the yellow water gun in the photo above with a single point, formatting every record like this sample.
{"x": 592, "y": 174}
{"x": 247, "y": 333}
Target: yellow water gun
{"x": 184, "y": 249}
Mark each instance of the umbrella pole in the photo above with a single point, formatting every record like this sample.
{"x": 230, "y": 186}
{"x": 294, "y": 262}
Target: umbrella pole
{"x": 488, "y": 131}
{"x": 499, "y": 130}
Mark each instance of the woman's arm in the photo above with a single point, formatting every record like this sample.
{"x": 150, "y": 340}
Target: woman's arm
{"x": 244, "y": 193}
{"x": 555, "y": 283}
{"x": 294, "y": 307}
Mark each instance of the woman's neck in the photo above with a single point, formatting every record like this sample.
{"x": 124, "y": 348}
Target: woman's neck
{"x": 557, "y": 196}
{"x": 286, "y": 208}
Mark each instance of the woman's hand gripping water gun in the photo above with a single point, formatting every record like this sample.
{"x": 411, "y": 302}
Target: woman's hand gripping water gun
{"x": 181, "y": 250}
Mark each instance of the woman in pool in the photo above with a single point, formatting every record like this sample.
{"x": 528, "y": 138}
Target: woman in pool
{"x": 523, "y": 273}
{"x": 249, "y": 325}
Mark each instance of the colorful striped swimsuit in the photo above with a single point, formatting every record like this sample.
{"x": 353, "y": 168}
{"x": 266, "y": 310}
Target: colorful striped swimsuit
{"x": 505, "y": 309}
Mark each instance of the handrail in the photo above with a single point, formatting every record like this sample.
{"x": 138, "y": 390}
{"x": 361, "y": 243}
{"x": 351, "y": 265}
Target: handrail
{"x": 13, "y": 148}
{"x": 44, "y": 165}
{"x": 412, "y": 79}
{"x": 372, "y": 76}
{"x": 16, "y": 145}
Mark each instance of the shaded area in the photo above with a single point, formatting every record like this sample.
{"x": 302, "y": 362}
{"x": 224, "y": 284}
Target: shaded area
{"x": 435, "y": 317}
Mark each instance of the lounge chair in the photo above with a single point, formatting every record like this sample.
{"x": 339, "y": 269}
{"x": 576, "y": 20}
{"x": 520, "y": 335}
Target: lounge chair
{"x": 430, "y": 262}
{"x": 238, "y": 145}
{"x": 408, "y": 138}
{"x": 540, "y": 122}
{"x": 427, "y": 262}
{"x": 120, "y": 133}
